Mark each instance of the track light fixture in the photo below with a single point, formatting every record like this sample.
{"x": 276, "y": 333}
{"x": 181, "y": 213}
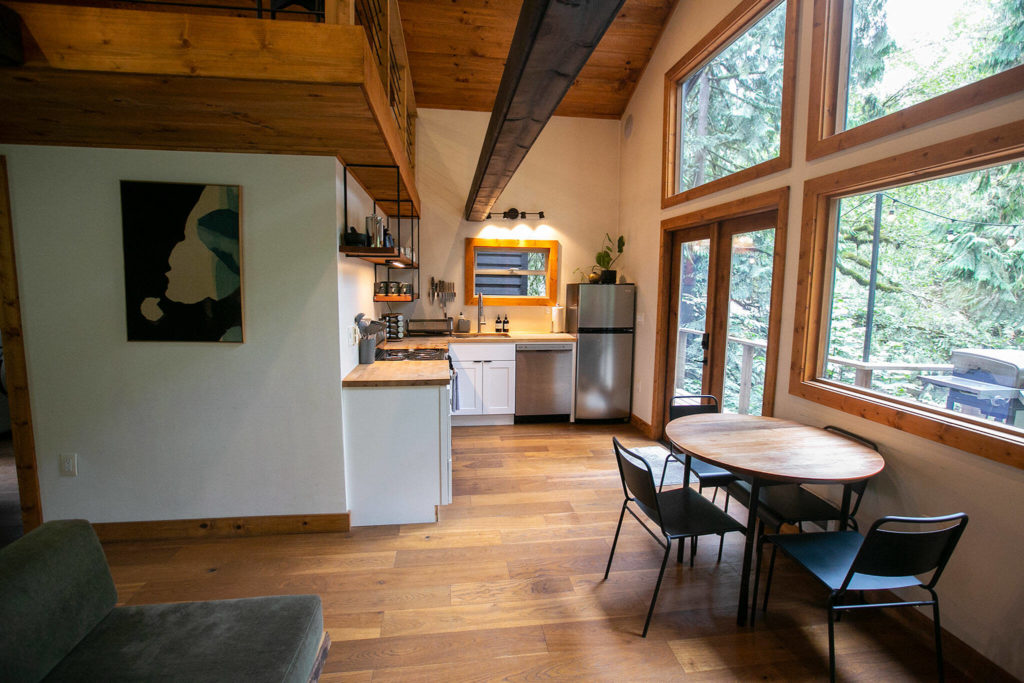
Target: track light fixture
{"x": 514, "y": 214}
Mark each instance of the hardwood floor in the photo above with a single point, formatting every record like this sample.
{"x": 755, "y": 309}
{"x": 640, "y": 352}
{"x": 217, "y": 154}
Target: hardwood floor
{"x": 508, "y": 585}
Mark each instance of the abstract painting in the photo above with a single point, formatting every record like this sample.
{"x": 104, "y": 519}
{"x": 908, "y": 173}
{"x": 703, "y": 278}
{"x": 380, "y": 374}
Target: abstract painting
{"x": 182, "y": 261}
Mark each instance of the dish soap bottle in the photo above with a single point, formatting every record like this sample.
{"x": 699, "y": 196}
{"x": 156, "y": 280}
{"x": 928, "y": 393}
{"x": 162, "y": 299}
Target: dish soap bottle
{"x": 504, "y": 324}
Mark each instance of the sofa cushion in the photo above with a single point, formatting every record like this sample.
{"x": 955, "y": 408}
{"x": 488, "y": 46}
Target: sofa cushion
{"x": 251, "y": 639}
{"x": 54, "y": 588}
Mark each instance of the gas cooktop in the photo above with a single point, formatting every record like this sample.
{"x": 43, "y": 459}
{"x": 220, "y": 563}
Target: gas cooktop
{"x": 411, "y": 354}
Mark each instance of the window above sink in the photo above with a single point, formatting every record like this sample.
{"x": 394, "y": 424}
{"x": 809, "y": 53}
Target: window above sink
{"x": 512, "y": 272}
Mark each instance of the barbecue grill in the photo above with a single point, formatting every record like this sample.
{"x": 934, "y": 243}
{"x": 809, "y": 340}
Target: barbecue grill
{"x": 989, "y": 380}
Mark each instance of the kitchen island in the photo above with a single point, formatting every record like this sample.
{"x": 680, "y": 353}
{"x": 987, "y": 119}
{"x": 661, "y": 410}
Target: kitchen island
{"x": 397, "y": 425}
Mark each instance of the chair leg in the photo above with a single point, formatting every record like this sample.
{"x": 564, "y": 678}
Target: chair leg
{"x": 721, "y": 542}
{"x": 622, "y": 514}
{"x": 831, "y": 644}
{"x": 727, "y": 501}
{"x": 938, "y": 637}
{"x": 693, "y": 549}
{"x": 657, "y": 586}
{"x": 757, "y": 580}
{"x": 714, "y": 496}
{"x": 768, "y": 581}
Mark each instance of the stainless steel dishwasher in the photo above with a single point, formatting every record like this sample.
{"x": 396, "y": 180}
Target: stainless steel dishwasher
{"x": 543, "y": 382}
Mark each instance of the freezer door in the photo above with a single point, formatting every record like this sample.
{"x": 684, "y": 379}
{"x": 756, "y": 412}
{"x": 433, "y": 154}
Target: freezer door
{"x": 606, "y": 306}
{"x": 604, "y": 375}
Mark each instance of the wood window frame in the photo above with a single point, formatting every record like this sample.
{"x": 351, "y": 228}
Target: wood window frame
{"x": 746, "y": 13}
{"x": 986, "y": 148}
{"x": 772, "y": 200}
{"x": 551, "y": 281}
{"x": 828, "y": 50}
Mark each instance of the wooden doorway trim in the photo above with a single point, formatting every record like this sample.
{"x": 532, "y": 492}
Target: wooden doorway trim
{"x": 17, "y": 372}
{"x": 773, "y": 200}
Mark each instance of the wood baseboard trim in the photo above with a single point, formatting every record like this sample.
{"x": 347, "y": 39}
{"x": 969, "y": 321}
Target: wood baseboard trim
{"x": 644, "y": 427}
{"x": 222, "y": 527}
{"x": 954, "y": 651}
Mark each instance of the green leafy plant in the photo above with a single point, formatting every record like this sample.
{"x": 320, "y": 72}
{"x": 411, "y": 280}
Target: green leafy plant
{"x": 604, "y": 257}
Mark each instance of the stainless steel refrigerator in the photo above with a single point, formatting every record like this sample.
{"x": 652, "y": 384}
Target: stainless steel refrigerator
{"x": 601, "y": 317}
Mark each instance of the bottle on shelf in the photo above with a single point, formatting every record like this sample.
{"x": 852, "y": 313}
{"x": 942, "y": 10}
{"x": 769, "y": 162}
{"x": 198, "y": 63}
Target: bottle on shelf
{"x": 504, "y": 324}
{"x": 497, "y": 324}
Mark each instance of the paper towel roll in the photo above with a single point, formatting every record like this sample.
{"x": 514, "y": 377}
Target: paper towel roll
{"x": 558, "y": 319}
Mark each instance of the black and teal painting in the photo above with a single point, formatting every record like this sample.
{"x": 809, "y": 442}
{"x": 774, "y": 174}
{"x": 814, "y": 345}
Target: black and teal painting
{"x": 182, "y": 261}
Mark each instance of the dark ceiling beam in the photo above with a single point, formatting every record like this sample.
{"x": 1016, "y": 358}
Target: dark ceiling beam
{"x": 552, "y": 42}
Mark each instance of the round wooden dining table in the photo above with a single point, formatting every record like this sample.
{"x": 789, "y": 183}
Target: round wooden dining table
{"x": 766, "y": 451}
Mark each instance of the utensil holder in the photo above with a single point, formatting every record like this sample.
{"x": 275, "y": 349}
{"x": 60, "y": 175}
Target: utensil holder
{"x": 367, "y": 350}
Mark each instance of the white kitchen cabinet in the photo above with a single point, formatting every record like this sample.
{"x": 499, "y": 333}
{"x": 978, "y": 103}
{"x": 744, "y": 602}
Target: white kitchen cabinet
{"x": 499, "y": 387}
{"x": 486, "y": 376}
{"x": 470, "y": 378}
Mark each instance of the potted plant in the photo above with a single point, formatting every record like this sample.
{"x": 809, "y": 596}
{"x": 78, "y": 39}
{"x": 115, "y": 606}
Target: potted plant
{"x": 605, "y": 259}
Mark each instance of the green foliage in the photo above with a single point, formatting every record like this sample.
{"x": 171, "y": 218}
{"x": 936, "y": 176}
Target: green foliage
{"x": 889, "y": 73}
{"x": 942, "y": 284}
{"x": 732, "y": 106}
{"x": 604, "y": 257}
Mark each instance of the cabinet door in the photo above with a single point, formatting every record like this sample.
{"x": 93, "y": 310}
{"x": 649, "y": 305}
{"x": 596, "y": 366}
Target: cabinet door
{"x": 499, "y": 397}
{"x": 468, "y": 375}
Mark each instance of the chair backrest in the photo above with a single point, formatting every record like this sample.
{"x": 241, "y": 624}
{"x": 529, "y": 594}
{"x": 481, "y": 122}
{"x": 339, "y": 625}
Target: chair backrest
{"x": 637, "y": 480}
{"x": 899, "y": 552}
{"x": 693, "y": 408}
{"x": 858, "y": 487}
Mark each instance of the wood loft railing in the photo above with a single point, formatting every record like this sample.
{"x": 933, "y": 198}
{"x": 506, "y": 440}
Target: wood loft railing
{"x": 383, "y": 24}
{"x": 155, "y": 77}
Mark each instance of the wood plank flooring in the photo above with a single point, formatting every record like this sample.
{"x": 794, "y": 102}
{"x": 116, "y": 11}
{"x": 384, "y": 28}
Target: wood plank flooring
{"x": 508, "y": 585}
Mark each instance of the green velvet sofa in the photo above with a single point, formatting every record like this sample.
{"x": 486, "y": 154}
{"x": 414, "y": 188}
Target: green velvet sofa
{"x": 59, "y": 622}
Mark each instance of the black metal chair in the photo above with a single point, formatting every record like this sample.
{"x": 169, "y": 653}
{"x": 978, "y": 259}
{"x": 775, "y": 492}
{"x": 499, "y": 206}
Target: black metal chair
{"x": 707, "y": 475}
{"x": 884, "y": 559}
{"x": 678, "y": 513}
{"x": 794, "y": 504}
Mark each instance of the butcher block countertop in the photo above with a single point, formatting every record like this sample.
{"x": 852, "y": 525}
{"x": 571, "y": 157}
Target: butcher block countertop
{"x": 407, "y": 373}
{"x": 441, "y": 342}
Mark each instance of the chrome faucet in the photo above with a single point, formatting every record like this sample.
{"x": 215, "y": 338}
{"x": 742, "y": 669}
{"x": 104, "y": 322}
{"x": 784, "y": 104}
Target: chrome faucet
{"x": 480, "y": 322}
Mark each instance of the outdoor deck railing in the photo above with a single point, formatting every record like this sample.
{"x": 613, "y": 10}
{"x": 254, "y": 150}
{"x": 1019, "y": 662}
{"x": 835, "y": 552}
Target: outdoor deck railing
{"x": 864, "y": 371}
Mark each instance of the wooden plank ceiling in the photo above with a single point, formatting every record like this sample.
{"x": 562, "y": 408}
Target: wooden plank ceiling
{"x": 159, "y": 80}
{"x": 457, "y": 51}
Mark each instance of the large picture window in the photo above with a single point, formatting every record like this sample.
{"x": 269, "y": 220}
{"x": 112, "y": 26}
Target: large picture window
{"x": 888, "y": 65}
{"x": 913, "y": 293}
{"x": 729, "y": 102}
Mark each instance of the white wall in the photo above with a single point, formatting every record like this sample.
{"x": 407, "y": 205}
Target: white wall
{"x": 571, "y": 173}
{"x": 180, "y": 430}
{"x": 982, "y": 587}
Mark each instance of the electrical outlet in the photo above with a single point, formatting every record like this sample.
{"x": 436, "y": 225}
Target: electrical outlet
{"x": 69, "y": 464}
{"x": 353, "y": 335}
